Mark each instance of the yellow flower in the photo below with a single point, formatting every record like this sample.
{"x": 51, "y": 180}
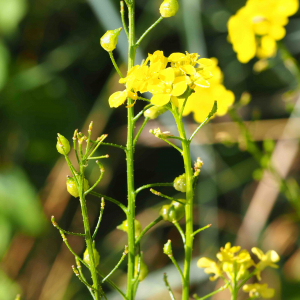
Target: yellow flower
{"x": 210, "y": 267}
{"x": 202, "y": 101}
{"x": 166, "y": 87}
{"x": 118, "y": 98}
{"x": 259, "y": 290}
{"x": 256, "y": 27}
{"x": 267, "y": 259}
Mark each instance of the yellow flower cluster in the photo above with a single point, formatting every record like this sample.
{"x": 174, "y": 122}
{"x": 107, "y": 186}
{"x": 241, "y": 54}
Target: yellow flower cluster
{"x": 256, "y": 27}
{"x": 173, "y": 79}
{"x": 235, "y": 263}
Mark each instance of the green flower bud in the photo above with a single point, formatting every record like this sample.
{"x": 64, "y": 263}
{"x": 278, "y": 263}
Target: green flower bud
{"x": 154, "y": 111}
{"x": 143, "y": 268}
{"x": 180, "y": 183}
{"x": 86, "y": 257}
{"x": 168, "y": 8}
{"x": 137, "y": 227}
{"x": 168, "y": 248}
{"x": 72, "y": 187}
{"x": 173, "y": 212}
{"x": 109, "y": 39}
{"x": 62, "y": 145}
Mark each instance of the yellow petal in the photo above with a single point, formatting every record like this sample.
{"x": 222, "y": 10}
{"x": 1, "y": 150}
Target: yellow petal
{"x": 167, "y": 75}
{"x": 202, "y": 83}
{"x": 117, "y": 99}
{"x": 187, "y": 69}
{"x": 206, "y": 62}
{"x": 160, "y": 99}
{"x": 257, "y": 252}
{"x": 204, "y": 262}
{"x": 175, "y": 57}
{"x": 175, "y": 101}
{"x": 179, "y": 88}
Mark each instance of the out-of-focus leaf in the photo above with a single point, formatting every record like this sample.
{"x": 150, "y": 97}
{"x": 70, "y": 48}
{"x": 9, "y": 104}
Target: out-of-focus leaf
{"x": 8, "y": 288}
{"x": 6, "y": 230}
{"x": 19, "y": 202}
{"x": 4, "y": 61}
{"x": 11, "y": 13}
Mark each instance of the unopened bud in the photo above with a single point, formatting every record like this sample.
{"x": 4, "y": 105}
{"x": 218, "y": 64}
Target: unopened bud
{"x": 168, "y": 248}
{"x": 86, "y": 256}
{"x": 126, "y": 250}
{"x": 143, "y": 268}
{"x": 62, "y": 145}
{"x": 180, "y": 183}
{"x": 91, "y": 126}
{"x": 245, "y": 98}
{"x": 168, "y": 8}
{"x": 109, "y": 39}
{"x": 154, "y": 111}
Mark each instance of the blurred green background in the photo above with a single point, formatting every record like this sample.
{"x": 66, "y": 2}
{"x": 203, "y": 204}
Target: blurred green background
{"x": 55, "y": 77}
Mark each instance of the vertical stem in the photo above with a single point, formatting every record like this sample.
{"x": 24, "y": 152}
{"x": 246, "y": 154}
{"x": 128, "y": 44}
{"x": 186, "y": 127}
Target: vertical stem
{"x": 88, "y": 238}
{"x": 188, "y": 207}
{"x": 130, "y": 163}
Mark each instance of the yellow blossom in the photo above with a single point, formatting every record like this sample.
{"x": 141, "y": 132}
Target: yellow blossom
{"x": 210, "y": 267}
{"x": 256, "y": 27}
{"x": 202, "y": 100}
{"x": 259, "y": 290}
{"x": 267, "y": 259}
{"x": 118, "y": 98}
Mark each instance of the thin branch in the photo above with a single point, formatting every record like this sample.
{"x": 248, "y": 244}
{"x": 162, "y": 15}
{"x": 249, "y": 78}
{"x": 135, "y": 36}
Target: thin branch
{"x": 144, "y": 99}
{"x": 165, "y": 196}
{"x": 180, "y": 231}
{"x": 117, "y": 265}
{"x": 147, "y": 228}
{"x": 141, "y": 112}
{"x": 100, "y": 218}
{"x": 147, "y": 31}
{"x": 114, "y": 145}
{"x": 122, "y": 11}
{"x": 212, "y": 112}
{"x": 147, "y": 186}
{"x": 177, "y": 266}
{"x": 101, "y": 168}
{"x": 140, "y": 131}
{"x": 222, "y": 288}
{"x": 115, "y": 64}
{"x": 168, "y": 287}
{"x": 171, "y": 144}
{"x": 200, "y": 229}
{"x": 123, "y": 207}
{"x": 64, "y": 231}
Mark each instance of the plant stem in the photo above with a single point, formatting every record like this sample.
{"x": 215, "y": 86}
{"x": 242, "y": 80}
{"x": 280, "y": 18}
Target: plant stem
{"x": 188, "y": 206}
{"x": 148, "y": 227}
{"x": 129, "y": 158}
{"x": 168, "y": 287}
{"x": 88, "y": 238}
{"x": 115, "y": 64}
{"x": 153, "y": 185}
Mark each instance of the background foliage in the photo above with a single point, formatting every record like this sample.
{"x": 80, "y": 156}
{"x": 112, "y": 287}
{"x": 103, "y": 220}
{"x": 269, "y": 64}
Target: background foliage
{"x": 54, "y": 77}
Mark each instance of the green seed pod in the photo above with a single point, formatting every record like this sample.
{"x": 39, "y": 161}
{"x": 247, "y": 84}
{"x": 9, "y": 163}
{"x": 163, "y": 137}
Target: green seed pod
{"x": 173, "y": 212}
{"x": 109, "y": 39}
{"x": 62, "y": 145}
{"x": 137, "y": 227}
{"x": 86, "y": 257}
{"x": 72, "y": 187}
{"x": 168, "y": 8}
{"x": 154, "y": 111}
{"x": 168, "y": 248}
{"x": 143, "y": 268}
{"x": 180, "y": 183}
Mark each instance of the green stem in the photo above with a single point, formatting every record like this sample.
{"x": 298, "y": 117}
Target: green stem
{"x": 147, "y": 186}
{"x": 122, "y": 11}
{"x": 222, "y": 288}
{"x": 147, "y": 228}
{"x": 177, "y": 267}
{"x": 200, "y": 229}
{"x": 180, "y": 231}
{"x": 114, "y": 145}
{"x": 130, "y": 160}
{"x": 168, "y": 287}
{"x": 88, "y": 238}
{"x": 165, "y": 196}
{"x": 147, "y": 31}
{"x": 65, "y": 231}
{"x": 188, "y": 206}
{"x": 100, "y": 218}
{"x": 115, "y": 64}
{"x": 140, "y": 131}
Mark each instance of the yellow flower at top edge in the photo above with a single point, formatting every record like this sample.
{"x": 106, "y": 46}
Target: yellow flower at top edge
{"x": 259, "y": 290}
{"x": 267, "y": 259}
{"x": 255, "y": 28}
{"x": 201, "y": 102}
{"x": 210, "y": 267}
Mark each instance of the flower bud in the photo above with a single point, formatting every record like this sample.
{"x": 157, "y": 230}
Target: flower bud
{"x": 180, "y": 183}
{"x": 154, "y": 111}
{"x": 173, "y": 212}
{"x": 109, "y": 39}
{"x": 137, "y": 227}
{"x": 72, "y": 187}
{"x": 86, "y": 257}
{"x": 168, "y": 248}
{"x": 168, "y": 8}
{"x": 143, "y": 268}
{"x": 62, "y": 145}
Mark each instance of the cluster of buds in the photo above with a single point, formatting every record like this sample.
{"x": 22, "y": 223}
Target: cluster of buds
{"x": 197, "y": 166}
{"x": 162, "y": 135}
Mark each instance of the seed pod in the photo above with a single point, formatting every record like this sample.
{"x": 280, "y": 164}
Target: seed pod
{"x": 137, "y": 227}
{"x": 173, "y": 212}
{"x": 143, "y": 268}
{"x": 154, "y": 111}
{"x": 109, "y": 39}
{"x": 72, "y": 187}
{"x": 180, "y": 183}
{"x": 86, "y": 257}
{"x": 168, "y": 8}
{"x": 62, "y": 145}
{"x": 168, "y": 248}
